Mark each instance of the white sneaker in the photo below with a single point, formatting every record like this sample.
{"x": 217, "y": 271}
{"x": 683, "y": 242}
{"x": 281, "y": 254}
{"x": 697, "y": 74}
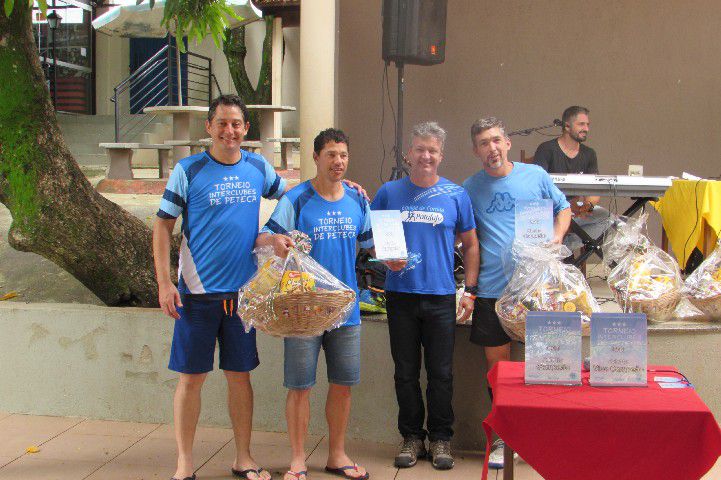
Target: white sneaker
{"x": 495, "y": 459}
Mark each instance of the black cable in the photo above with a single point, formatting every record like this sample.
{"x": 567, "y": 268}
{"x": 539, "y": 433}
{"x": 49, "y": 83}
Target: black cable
{"x": 394, "y": 150}
{"x": 695, "y": 193}
{"x": 388, "y": 93}
{"x": 385, "y": 92}
{"x": 685, "y": 379}
{"x": 383, "y": 118}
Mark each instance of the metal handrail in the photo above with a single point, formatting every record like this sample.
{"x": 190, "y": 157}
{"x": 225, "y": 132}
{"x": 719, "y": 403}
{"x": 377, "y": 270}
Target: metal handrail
{"x": 142, "y": 89}
{"x": 143, "y": 66}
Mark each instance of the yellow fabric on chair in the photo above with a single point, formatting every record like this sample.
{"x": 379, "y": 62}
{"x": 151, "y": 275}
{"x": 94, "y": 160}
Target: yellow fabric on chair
{"x": 684, "y": 229}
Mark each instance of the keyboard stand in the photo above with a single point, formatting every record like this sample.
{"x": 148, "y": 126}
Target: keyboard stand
{"x": 591, "y": 245}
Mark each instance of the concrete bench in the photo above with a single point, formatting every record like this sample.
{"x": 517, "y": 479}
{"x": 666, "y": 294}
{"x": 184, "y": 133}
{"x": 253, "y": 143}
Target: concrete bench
{"x": 251, "y": 145}
{"x": 121, "y": 156}
{"x": 196, "y": 146}
{"x": 286, "y": 148}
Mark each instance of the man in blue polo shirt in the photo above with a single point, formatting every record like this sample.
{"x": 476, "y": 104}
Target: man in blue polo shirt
{"x": 494, "y": 192}
{"x": 336, "y": 218}
{"x": 218, "y": 194}
{"x": 421, "y": 298}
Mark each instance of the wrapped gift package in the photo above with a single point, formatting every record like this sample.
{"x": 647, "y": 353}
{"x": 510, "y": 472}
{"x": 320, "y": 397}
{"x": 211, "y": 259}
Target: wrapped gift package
{"x": 644, "y": 278}
{"x": 703, "y": 286}
{"x": 542, "y": 282}
{"x": 293, "y": 297}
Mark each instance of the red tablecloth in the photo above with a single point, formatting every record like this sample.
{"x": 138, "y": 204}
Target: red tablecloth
{"x": 590, "y": 433}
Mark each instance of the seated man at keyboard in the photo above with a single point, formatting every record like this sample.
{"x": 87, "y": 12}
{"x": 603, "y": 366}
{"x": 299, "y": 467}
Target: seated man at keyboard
{"x": 567, "y": 154}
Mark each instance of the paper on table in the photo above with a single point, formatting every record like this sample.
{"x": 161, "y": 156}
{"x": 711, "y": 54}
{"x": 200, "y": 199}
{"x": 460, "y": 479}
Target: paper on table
{"x": 388, "y": 236}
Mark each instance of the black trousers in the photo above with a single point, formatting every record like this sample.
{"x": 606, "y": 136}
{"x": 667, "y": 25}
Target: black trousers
{"x": 427, "y": 321}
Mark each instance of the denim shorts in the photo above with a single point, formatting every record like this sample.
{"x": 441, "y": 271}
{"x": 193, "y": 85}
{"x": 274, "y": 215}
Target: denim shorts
{"x": 342, "y": 358}
{"x": 202, "y": 323}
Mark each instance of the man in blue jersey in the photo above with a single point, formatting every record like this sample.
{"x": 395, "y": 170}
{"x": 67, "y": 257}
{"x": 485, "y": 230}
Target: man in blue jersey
{"x": 218, "y": 195}
{"x": 336, "y": 218}
{"x": 421, "y": 298}
{"x": 494, "y": 192}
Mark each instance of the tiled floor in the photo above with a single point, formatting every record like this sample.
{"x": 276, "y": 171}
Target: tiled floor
{"x": 76, "y": 448}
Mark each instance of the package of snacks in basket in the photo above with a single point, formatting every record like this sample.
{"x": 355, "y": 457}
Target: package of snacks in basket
{"x": 703, "y": 286}
{"x": 295, "y": 296}
{"x": 646, "y": 279}
{"x": 542, "y": 282}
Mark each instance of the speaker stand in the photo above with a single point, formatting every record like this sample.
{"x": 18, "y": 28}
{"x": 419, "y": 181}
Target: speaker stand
{"x": 399, "y": 168}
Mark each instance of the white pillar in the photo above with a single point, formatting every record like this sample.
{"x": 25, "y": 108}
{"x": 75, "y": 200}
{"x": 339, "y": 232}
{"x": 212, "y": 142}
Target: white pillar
{"x": 318, "y": 61}
{"x": 276, "y": 78}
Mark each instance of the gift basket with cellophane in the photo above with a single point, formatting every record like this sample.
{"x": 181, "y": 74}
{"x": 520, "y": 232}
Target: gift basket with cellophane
{"x": 645, "y": 279}
{"x": 542, "y": 282}
{"x": 703, "y": 286}
{"x": 625, "y": 235}
{"x": 295, "y": 296}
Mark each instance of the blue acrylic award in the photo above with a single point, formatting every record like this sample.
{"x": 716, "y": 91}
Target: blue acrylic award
{"x": 553, "y": 348}
{"x": 619, "y": 349}
{"x": 534, "y": 221}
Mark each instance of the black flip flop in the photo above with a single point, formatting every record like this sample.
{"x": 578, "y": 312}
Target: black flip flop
{"x": 341, "y": 472}
{"x": 244, "y": 473}
{"x": 186, "y": 478}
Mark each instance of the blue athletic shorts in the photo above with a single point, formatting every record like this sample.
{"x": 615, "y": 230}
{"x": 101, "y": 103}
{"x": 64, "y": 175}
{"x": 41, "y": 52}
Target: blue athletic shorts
{"x": 202, "y": 321}
{"x": 342, "y": 358}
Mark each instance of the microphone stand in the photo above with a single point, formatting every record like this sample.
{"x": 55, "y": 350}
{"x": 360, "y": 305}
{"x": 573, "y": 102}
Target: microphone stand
{"x": 528, "y": 131}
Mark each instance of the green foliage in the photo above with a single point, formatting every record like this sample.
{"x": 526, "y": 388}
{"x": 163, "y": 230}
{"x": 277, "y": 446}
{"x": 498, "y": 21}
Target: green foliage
{"x": 9, "y": 6}
{"x": 197, "y": 18}
{"x": 20, "y": 124}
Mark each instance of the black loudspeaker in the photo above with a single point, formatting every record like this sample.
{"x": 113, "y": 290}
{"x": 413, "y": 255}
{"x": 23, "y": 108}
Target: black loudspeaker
{"x": 414, "y": 31}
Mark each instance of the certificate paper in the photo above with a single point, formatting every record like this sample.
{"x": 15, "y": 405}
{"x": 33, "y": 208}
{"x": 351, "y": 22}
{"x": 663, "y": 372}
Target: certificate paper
{"x": 388, "y": 236}
{"x": 618, "y": 349}
{"x": 534, "y": 221}
{"x": 553, "y": 348}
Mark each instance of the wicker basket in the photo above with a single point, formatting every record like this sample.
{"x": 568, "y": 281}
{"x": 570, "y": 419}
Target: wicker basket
{"x": 516, "y": 329}
{"x": 710, "y": 306}
{"x": 657, "y": 310}
{"x": 306, "y": 313}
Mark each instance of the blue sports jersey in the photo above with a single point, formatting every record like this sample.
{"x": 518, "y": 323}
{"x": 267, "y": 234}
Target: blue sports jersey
{"x": 219, "y": 204}
{"x": 333, "y": 227}
{"x": 494, "y": 203}
{"x": 431, "y": 219}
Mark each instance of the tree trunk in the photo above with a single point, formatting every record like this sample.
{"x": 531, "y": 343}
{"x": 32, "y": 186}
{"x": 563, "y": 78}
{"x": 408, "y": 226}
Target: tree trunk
{"x": 235, "y": 51}
{"x": 56, "y": 212}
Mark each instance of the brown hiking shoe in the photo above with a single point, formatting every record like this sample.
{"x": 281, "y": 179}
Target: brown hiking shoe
{"x": 411, "y": 450}
{"x": 441, "y": 455}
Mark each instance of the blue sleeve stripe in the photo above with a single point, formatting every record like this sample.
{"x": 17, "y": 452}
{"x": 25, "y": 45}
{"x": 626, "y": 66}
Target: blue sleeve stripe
{"x": 301, "y": 201}
{"x": 170, "y": 208}
{"x": 164, "y": 215}
{"x": 173, "y": 197}
{"x": 257, "y": 163}
{"x": 275, "y": 227}
{"x": 196, "y": 167}
{"x": 365, "y": 236}
{"x": 274, "y": 187}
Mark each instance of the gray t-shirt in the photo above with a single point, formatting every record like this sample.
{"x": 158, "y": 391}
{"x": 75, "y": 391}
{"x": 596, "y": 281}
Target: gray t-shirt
{"x": 551, "y": 158}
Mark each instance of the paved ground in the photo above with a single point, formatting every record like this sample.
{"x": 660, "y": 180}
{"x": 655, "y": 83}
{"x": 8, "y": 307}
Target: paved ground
{"x": 36, "y": 279}
{"x": 76, "y": 448}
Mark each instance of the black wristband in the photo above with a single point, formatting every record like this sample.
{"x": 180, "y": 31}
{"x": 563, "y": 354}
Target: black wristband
{"x": 473, "y": 290}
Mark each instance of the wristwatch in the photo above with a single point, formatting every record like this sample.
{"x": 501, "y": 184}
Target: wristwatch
{"x": 470, "y": 291}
